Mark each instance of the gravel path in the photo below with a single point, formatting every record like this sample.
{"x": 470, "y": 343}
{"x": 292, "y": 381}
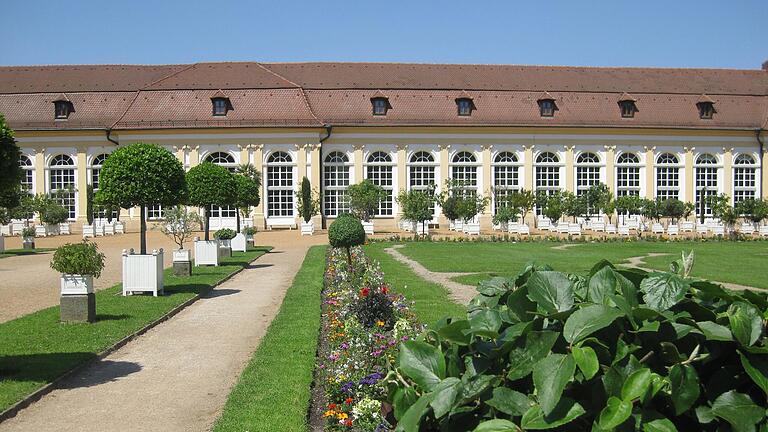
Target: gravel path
{"x": 459, "y": 292}
{"x": 177, "y": 376}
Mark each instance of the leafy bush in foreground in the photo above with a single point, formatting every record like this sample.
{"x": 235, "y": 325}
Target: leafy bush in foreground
{"x": 619, "y": 349}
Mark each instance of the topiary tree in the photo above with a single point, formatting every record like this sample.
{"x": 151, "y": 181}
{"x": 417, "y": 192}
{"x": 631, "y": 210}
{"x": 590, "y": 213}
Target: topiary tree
{"x": 10, "y": 171}
{"x": 346, "y": 231}
{"x": 209, "y": 185}
{"x": 523, "y": 201}
{"x": 552, "y": 206}
{"x": 179, "y": 224}
{"x": 416, "y": 206}
{"x": 246, "y": 196}
{"x": 449, "y": 208}
{"x": 596, "y": 198}
{"x": 89, "y": 198}
{"x": 141, "y": 174}
{"x": 309, "y": 203}
{"x": 672, "y": 208}
{"x": 753, "y": 210}
{"x": 364, "y": 199}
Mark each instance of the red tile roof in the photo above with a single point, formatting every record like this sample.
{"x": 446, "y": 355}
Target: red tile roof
{"x": 311, "y": 94}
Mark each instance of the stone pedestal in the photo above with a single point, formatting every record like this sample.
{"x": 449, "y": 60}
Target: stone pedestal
{"x": 78, "y": 308}
{"x": 28, "y": 245}
{"x": 182, "y": 268}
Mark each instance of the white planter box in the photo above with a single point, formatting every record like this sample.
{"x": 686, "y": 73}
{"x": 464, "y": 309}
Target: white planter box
{"x": 701, "y": 229}
{"x": 119, "y": 228}
{"x": 5, "y": 230}
{"x": 41, "y": 231}
{"x": 143, "y": 273}
{"x": 747, "y": 228}
{"x": 76, "y": 284}
{"x": 17, "y": 227}
{"x": 420, "y": 228}
{"x": 368, "y": 227}
{"x": 523, "y": 229}
{"x": 28, "y": 240}
{"x": 673, "y": 230}
{"x": 657, "y": 228}
{"x": 687, "y": 226}
{"x": 307, "y": 228}
{"x": 458, "y": 225}
{"x": 98, "y": 229}
{"x": 109, "y": 229}
{"x": 623, "y": 230}
{"x": 512, "y": 227}
{"x": 182, "y": 255}
{"x": 574, "y": 229}
{"x": 764, "y": 231}
{"x": 64, "y": 229}
{"x": 206, "y": 252}
{"x": 88, "y": 231}
{"x": 597, "y": 226}
{"x": 472, "y": 228}
{"x": 610, "y": 229}
{"x": 239, "y": 243}
{"x": 563, "y": 227}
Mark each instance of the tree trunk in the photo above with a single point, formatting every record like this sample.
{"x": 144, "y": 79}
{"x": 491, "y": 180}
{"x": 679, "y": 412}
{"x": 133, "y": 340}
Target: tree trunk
{"x": 143, "y": 219}
{"x": 207, "y": 222}
{"x": 238, "y": 219}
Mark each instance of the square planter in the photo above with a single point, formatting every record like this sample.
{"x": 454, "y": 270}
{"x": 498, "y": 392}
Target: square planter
{"x": 239, "y": 243}
{"x": 687, "y": 226}
{"x": 673, "y": 230}
{"x": 143, "y": 273}
{"x": 225, "y": 248}
{"x": 420, "y": 228}
{"x": 182, "y": 262}
{"x": 28, "y": 243}
{"x": 458, "y": 226}
{"x": 98, "y": 229}
{"x": 307, "y": 228}
{"x": 368, "y": 227}
{"x": 88, "y": 231}
{"x": 109, "y": 229}
{"x": 206, "y": 252}
{"x": 41, "y": 230}
{"x": 5, "y": 230}
{"x": 17, "y": 227}
{"x": 512, "y": 227}
{"x": 76, "y": 284}
{"x": 472, "y": 228}
{"x": 64, "y": 229}
{"x": 119, "y": 228}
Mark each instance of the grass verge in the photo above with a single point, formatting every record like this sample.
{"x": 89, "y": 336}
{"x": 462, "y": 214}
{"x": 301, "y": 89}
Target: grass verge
{"x": 21, "y": 252}
{"x": 273, "y": 392}
{"x": 36, "y": 349}
{"x": 431, "y": 300}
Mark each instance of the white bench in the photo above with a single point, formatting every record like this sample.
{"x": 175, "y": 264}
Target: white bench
{"x": 574, "y": 229}
{"x": 598, "y": 226}
{"x": 673, "y": 230}
{"x": 523, "y": 229}
{"x": 623, "y": 230}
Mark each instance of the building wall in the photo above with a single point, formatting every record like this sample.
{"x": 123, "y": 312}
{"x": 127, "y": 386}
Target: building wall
{"x": 359, "y": 144}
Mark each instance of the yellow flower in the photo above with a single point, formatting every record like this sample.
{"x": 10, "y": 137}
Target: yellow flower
{"x": 329, "y": 413}
{"x": 341, "y": 416}
{"x": 380, "y": 323}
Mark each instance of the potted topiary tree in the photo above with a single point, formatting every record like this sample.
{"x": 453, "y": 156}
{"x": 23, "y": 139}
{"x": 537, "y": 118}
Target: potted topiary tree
{"x": 468, "y": 206}
{"x": 246, "y": 196}
{"x": 346, "y": 231}
{"x": 225, "y": 236}
{"x": 180, "y": 224}
{"x": 309, "y": 206}
{"x": 504, "y": 214}
{"x": 142, "y": 174}
{"x": 28, "y": 238}
{"x": 416, "y": 207}
{"x": 78, "y": 264}
{"x": 364, "y": 199}
{"x": 209, "y": 185}
{"x": 52, "y": 214}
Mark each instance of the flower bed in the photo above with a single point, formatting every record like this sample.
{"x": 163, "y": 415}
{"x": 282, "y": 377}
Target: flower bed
{"x": 363, "y": 324}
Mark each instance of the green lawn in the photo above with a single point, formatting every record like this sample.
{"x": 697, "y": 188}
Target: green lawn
{"x": 36, "y": 348}
{"x": 273, "y": 392}
{"x": 431, "y": 300}
{"x": 20, "y": 252}
{"x": 741, "y": 263}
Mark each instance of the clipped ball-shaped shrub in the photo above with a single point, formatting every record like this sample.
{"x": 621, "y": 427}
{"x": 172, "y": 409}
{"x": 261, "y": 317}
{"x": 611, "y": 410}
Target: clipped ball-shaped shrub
{"x": 224, "y": 234}
{"x": 346, "y": 231}
{"x": 78, "y": 259}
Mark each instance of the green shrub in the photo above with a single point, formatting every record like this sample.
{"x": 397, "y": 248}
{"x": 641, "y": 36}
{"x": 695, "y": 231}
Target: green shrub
{"x": 503, "y": 215}
{"x": 620, "y": 349}
{"x": 364, "y": 199}
{"x": 449, "y": 208}
{"x": 9, "y": 166}
{"x": 53, "y": 213}
{"x": 28, "y": 232}
{"x": 210, "y": 185}
{"x": 78, "y": 258}
{"x": 309, "y": 202}
{"x": 224, "y": 234}
{"x": 249, "y": 231}
{"x": 345, "y": 232}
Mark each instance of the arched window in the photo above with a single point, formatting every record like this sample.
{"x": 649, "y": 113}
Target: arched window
{"x": 667, "y": 176}
{"x": 506, "y": 178}
{"x": 627, "y": 174}
{"x": 61, "y": 181}
{"x": 706, "y": 181}
{"x": 379, "y": 171}
{"x": 587, "y": 172}
{"x": 744, "y": 178}
{"x": 335, "y": 182}
{"x": 227, "y": 161}
{"x": 96, "y": 164}
{"x": 280, "y": 185}
{"x": 547, "y": 174}
{"x": 464, "y": 171}
{"x": 28, "y": 174}
{"x": 421, "y": 173}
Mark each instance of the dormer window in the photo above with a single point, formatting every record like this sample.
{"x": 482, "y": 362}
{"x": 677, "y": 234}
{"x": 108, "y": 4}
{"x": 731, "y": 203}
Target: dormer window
{"x": 219, "y": 106}
{"x": 465, "y": 106}
{"x": 547, "y": 107}
{"x": 628, "y": 108}
{"x": 62, "y": 108}
{"x": 706, "y": 107}
{"x": 380, "y": 106}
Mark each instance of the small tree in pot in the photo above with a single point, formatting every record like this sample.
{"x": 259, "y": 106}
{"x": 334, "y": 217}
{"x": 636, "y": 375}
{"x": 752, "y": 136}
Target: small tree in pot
{"x": 416, "y": 206}
{"x": 364, "y": 199}
{"x": 504, "y": 214}
{"x": 346, "y": 231}
{"x": 523, "y": 201}
{"x": 28, "y": 238}
{"x": 309, "y": 206}
{"x": 246, "y": 196}
{"x": 753, "y": 210}
{"x": 209, "y": 185}
{"x": 225, "y": 236}
{"x": 78, "y": 264}
{"x": 673, "y": 209}
{"x": 52, "y": 214}
{"x": 180, "y": 225}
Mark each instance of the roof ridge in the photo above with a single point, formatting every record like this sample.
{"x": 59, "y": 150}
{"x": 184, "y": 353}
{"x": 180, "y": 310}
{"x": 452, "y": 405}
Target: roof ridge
{"x": 301, "y": 89}
{"x": 184, "y": 69}
{"x": 127, "y": 108}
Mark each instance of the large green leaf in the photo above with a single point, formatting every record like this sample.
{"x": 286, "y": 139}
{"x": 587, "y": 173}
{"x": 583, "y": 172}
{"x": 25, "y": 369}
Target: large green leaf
{"x": 606, "y": 283}
{"x": 403, "y": 398}
{"x": 412, "y": 418}
{"x": 550, "y": 377}
{"x": 497, "y": 425}
{"x": 495, "y": 286}
{"x": 757, "y": 369}
{"x": 519, "y": 306}
{"x": 739, "y": 410}
{"x": 551, "y": 290}
{"x": 684, "y": 385}
{"x": 523, "y": 359}
{"x": 423, "y": 363}
{"x": 659, "y": 425}
{"x": 509, "y": 401}
{"x": 616, "y": 412}
{"x": 661, "y": 291}
{"x": 714, "y": 331}
{"x": 485, "y": 322}
{"x": 445, "y": 395}
{"x": 566, "y": 411}
{"x": 636, "y": 385}
{"x": 586, "y": 359}
{"x": 746, "y": 323}
{"x": 454, "y": 332}
{"x": 588, "y": 320}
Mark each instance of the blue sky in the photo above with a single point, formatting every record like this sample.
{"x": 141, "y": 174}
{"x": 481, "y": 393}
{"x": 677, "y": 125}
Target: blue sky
{"x": 671, "y": 33}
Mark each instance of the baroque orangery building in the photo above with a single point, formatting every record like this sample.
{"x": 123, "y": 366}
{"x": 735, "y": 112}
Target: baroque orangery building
{"x": 651, "y": 132}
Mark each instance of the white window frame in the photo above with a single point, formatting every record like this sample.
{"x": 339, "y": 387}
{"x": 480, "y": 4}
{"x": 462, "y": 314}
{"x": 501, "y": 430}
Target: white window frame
{"x": 420, "y": 170}
{"x": 27, "y": 165}
{"x": 667, "y": 172}
{"x": 506, "y": 175}
{"x": 229, "y": 161}
{"x": 58, "y": 172}
{"x": 706, "y": 173}
{"x": 280, "y": 194}
{"x": 380, "y": 169}
{"x": 337, "y": 176}
{"x": 547, "y": 174}
{"x": 745, "y": 179}
{"x": 629, "y": 179}
{"x": 587, "y": 173}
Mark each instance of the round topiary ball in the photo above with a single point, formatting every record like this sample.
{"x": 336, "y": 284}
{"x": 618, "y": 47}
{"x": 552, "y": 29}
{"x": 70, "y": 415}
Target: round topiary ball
{"x": 346, "y": 231}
